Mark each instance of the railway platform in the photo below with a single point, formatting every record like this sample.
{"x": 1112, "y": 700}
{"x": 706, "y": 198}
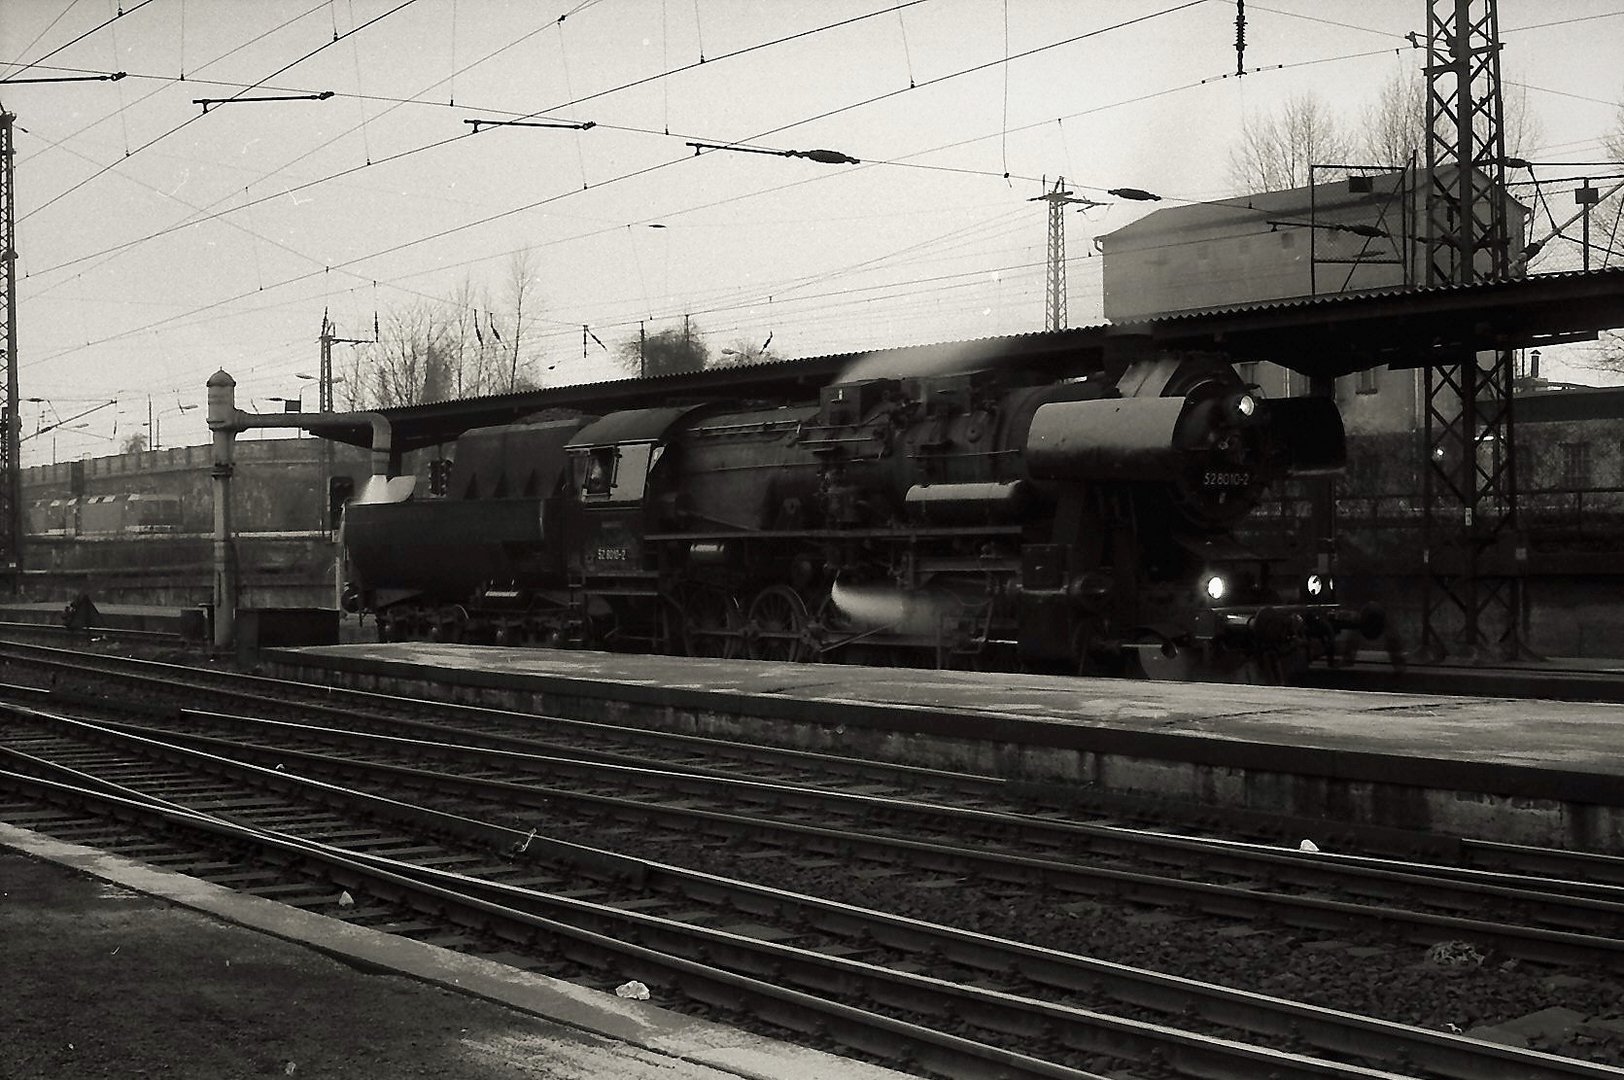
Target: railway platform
{"x": 115, "y": 968}
{"x": 186, "y": 623}
{"x": 1515, "y": 770}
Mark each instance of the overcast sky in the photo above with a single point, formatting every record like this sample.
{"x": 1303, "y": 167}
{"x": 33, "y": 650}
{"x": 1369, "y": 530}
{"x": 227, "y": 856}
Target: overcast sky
{"x": 159, "y": 242}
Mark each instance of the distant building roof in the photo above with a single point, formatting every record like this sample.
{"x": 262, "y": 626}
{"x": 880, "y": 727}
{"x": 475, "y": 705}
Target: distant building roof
{"x": 1332, "y": 237}
{"x": 1573, "y": 403}
{"x": 1333, "y": 200}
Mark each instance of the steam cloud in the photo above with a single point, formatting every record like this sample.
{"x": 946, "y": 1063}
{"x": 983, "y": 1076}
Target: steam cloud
{"x": 945, "y": 359}
{"x": 885, "y": 607}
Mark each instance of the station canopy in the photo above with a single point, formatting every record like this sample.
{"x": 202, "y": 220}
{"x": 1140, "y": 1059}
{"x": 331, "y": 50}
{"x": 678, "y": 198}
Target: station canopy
{"x": 1318, "y": 336}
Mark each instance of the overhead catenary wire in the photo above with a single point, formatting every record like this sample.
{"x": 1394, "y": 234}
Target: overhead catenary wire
{"x": 564, "y": 68}
{"x": 208, "y": 307}
{"x": 120, "y": 14}
{"x": 946, "y": 77}
{"x": 60, "y": 15}
{"x": 200, "y": 311}
{"x": 166, "y": 79}
{"x": 123, "y": 116}
{"x": 190, "y": 120}
{"x": 436, "y": 144}
{"x": 741, "y": 300}
{"x": 975, "y": 68}
{"x": 355, "y": 52}
{"x": 299, "y": 301}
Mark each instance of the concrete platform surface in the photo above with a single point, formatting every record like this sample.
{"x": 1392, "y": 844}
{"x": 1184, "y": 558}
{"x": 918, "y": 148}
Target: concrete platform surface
{"x": 1564, "y": 735}
{"x": 113, "y": 968}
{"x": 1519, "y": 771}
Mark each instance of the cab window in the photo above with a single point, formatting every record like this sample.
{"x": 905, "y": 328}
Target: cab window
{"x": 600, "y": 471}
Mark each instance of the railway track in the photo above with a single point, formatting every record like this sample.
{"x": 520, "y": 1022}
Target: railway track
{"x": 162, "y": 688}
{"x": 1550, "y": 919}
{"x": 665, "y": 925}
{"x": 460, "y": 814}
{"x": 75, "y": 635}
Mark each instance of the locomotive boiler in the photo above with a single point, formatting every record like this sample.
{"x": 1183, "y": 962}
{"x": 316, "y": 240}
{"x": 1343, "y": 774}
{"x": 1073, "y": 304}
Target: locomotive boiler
{"x": 965, "y": 519}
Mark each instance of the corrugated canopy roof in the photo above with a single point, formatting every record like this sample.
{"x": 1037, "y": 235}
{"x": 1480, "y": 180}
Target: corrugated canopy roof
{"x": 1317, "y": 336}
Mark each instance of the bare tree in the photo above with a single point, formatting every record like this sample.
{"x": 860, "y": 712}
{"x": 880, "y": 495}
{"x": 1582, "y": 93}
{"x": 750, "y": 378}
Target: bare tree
{"x": 457, "y": 348}
{"x": 1275, "y": 151}
{"x": 1523, "y": 130}
{"x": 411, "y": 362}
{"x": 1395, "y": 125}
{"x": 465, "y": 351}
{"x": 1609, "y": 352}
{"x": 666, "y": 352}
{"x": 522, "y": 289}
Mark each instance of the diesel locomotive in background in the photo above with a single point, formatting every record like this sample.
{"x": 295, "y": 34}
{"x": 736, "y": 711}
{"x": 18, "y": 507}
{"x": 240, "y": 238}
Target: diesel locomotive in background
{"x": 975, "y": 518}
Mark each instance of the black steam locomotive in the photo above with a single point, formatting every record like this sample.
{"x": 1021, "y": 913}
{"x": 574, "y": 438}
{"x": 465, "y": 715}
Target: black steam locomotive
{"x": 965, "y": 519}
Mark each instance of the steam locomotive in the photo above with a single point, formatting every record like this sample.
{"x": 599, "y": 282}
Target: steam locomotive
{"x": 969, "y": 518}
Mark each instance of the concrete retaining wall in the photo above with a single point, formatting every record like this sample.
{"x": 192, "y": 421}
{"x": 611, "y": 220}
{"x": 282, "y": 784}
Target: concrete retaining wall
{"x": 1548, "y": 807}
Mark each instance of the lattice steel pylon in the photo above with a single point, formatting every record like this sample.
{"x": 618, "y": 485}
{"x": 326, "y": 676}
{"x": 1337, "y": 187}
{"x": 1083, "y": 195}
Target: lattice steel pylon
{"x": 1054, "y": 302}
{"x": 11, "y": 530}
{"x": 1473, "y": 551}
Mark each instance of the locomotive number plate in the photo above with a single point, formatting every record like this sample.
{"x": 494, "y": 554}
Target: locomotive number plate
{"x": 611, "y": 554}
{"x": 1226, "y": 479}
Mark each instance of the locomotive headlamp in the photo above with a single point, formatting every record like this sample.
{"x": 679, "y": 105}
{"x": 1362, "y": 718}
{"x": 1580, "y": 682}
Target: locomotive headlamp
{"x": 1242, "y": 407}
{"x": 1216, "y": 586}
{"x": 1317, "y": 585}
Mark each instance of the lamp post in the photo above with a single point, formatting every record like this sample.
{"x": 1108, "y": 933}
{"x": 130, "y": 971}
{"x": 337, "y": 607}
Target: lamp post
{"x": 293, "y": 404}
{"x": 155, "y": 422}
{"x": 326, "y": 405}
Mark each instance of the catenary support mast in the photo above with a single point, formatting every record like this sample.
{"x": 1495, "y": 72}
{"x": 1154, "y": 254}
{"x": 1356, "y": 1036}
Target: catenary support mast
{"x": 1473, "y": 552}
{"x": 1054, "y": 299}
{"x": 10, "y": 439}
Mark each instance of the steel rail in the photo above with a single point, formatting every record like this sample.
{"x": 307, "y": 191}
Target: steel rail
{"x": 1297, "y": 867}
{"x": 1605, "y": 889}
{"x": 1572, "y": 865}
{"x": 861, "y": 1028}
{"x": 167, "y": 676}
{"x": 120, "y": 633}
{"x": 1603, "y": 870}
{"x": 1086, "y": 1030}
{"x": 1246, "y": 855}
{"x": 1448, "y": 1054}
{"x": 1394, "y": 878}
{"x": 1080, "y": 1029}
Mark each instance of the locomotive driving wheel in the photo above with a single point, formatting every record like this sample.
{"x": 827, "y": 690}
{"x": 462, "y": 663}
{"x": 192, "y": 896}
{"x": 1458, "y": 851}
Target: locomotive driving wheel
{"x": 712, "y": 624}
{"x": 1160, "y": 660}
{"x": 776, "y": 626}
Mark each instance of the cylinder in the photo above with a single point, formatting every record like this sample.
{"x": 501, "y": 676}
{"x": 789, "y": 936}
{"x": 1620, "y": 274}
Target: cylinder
{"x": 976, "y": 501}
{"x": 1105, "y": 439}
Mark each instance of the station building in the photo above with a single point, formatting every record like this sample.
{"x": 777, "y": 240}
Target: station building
{"x": 1357, "y": 233}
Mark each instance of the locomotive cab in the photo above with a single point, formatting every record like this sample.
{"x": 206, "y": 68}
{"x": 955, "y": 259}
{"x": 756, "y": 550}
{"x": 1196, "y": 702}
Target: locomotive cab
{"x": 614, "y": 576}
